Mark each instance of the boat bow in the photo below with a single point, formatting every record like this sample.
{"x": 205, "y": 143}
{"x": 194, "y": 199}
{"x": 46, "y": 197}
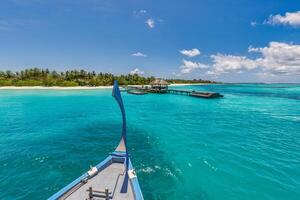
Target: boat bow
{"x": 114, "y": 178}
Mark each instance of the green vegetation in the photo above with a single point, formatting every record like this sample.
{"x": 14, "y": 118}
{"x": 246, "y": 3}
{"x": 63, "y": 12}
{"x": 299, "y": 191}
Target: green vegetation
{"x": 44, "y": 77}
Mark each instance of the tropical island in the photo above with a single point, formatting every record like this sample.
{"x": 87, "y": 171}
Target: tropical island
{"x": 73, "y": 78}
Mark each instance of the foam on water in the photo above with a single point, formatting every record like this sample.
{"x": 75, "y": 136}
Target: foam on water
{"x": 243, "y": 146}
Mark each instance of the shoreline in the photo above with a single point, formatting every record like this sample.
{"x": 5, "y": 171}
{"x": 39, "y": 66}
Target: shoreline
{"x": 80, "y": 87}
{"x": 54, "y": 88}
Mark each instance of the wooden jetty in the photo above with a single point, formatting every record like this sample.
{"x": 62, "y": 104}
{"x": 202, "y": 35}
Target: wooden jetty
{"x": 194, "y": 93}
{"x": 161, "y": 87}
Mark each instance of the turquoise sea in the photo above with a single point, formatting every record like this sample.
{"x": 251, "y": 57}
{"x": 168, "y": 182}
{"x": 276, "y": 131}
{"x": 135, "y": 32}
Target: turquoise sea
{"x": 243, "y": 146}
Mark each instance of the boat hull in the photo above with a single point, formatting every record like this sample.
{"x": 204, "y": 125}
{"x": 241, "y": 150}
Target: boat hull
{"x": 78, "y": 189}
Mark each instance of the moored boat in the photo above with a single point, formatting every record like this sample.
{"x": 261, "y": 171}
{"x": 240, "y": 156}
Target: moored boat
{"x": 114, "y": 178}
{"x": 208, "y": 95}
{"x": 137, "y": 92}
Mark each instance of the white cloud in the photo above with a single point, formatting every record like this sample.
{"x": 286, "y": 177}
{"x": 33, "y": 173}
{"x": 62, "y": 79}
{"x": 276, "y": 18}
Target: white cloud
{"x": 290, "y": 18}
{"x": 189, "y": 66}
{"x": 139, "y": 54}
{"x": 139, "y": 12}
{"x": 143, "y": 11}
{"x": 176, "y": 74}
{"x": 253, "y": 24}
{"x": 278, "y": 61}
{"x": 265, "y": 75}
{"x": 229, "y": 63}
{"x": 209, "y": 72}
{"x": 150, "y": 22}
{"x": 190, "y": 53}
{"x": 279, "y": 58}
{"x": 276, "y": 58}
{"x": 137, "y": 71}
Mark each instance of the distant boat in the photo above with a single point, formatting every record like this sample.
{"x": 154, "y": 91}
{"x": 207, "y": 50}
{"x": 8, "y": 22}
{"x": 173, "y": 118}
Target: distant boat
{"x": 137, "y": 92}
{"x": 208, "y": 95}
{"x": 114, "y": 178}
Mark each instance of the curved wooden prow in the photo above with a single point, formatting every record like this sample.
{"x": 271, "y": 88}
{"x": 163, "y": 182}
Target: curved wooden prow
{"x": 122, "y": 147}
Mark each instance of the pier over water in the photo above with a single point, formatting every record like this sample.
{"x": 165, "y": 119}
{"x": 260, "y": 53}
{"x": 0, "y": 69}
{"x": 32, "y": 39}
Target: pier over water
{"x": 161, "y": 87}
{"x": 195, "y": 93}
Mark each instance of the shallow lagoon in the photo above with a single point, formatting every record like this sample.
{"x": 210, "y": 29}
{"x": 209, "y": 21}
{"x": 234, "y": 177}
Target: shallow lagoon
{"x": 243, "y": 146}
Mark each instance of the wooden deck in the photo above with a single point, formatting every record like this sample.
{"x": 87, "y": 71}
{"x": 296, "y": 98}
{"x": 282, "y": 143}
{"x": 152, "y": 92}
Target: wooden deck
{"x": 110, "y": 178}
{"x": 193, "y": 93}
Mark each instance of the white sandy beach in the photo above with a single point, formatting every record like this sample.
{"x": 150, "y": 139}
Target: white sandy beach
{"x": 53, "y": 88}
{"x": 79, "y": 87}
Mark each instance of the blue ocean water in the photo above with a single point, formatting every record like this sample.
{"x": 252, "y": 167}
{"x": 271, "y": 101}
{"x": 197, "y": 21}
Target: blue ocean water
{"x": 243, "y": 146}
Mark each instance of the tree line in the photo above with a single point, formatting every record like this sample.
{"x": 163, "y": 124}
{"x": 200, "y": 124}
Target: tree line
{"x": 45, "y": 77}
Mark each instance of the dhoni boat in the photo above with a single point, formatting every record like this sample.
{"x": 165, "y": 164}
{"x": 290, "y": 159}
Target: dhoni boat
{"x": 112, "y": 179}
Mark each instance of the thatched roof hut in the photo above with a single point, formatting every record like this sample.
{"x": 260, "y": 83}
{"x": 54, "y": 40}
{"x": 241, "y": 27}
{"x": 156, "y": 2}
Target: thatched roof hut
{"x": 159, "y": 82}
{"x": 159, "y": 85}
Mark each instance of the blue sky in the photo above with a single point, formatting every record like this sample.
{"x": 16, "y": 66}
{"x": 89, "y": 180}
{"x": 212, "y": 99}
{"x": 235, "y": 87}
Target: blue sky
{"x": 225, "y": 40}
